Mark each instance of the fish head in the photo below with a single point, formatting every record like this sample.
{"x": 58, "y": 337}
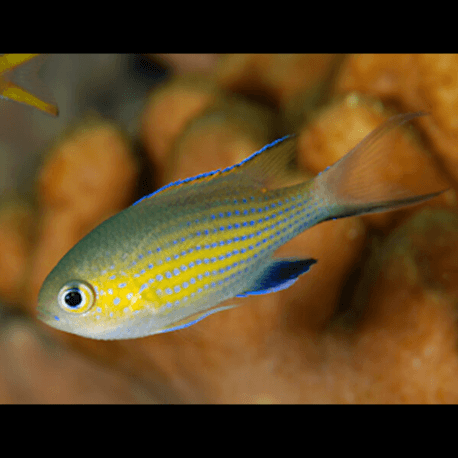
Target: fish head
{"x": 92, "y": 292}
{"x": 68, "y": 306}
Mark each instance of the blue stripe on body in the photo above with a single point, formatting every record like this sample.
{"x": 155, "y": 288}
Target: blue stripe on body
{"x": 283, "y": 220}
{"x": 287, "y": 220}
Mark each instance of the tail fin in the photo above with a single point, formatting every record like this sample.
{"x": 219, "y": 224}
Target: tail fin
{"x": 353, "y": 185}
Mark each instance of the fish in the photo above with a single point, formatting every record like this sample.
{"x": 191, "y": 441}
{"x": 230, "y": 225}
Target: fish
{"x": 174, "y": 257}
{"x": 26, "y": 88}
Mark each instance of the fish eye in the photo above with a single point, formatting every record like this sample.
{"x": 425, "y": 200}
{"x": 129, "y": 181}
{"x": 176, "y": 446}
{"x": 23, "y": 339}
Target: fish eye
{"x": 76, "y": 297}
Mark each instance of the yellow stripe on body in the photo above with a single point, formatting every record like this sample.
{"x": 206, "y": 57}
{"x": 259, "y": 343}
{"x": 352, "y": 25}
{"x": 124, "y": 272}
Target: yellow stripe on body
{"x": 182, "y": 265}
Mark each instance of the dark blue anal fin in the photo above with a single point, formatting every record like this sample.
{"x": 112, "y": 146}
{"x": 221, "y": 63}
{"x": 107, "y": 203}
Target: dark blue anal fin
{"x": 280, "y": 274}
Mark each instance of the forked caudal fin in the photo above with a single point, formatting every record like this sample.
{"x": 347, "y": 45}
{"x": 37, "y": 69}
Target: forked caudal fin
{"x": 349, "y": 187}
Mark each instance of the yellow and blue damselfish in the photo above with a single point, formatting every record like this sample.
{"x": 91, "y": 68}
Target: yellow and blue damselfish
{"x": 173, "y": 257}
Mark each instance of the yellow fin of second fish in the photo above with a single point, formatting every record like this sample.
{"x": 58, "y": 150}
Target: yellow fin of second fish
{"x": 19, "y": 82}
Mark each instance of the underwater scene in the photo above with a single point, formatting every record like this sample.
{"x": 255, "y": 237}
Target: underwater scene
{"x": 228, "y": 228}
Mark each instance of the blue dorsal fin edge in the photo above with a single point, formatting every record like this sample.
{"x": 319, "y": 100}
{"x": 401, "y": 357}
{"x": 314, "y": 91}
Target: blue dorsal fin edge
{"x": 278, "y": 275}
{"x": 217, "y": 171}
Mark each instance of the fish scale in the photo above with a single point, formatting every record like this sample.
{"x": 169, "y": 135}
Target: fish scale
{"x": 222, "y": 255}
{"x": 174, "y": 257}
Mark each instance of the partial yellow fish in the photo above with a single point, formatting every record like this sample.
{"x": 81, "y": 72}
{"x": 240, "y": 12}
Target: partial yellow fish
{"x": 173, "y": 257}
{"x": 15, "y": 66}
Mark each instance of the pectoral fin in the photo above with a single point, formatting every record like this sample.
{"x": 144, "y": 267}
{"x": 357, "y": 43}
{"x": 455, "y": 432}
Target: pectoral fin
{"x": 189, "y": 321}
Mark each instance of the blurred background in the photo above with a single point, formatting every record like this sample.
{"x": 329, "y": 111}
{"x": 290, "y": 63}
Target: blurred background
{"x": 114, "y": 86}
{"x": 374, "y": 322}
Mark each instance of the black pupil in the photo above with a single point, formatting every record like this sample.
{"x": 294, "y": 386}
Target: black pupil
{"x": 73, "y": 298}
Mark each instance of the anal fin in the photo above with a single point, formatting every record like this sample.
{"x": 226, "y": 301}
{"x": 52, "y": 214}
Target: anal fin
{"x": 280, "y": 274}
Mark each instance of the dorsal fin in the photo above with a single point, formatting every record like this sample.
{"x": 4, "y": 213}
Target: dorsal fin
{"x": 267, "y": 168}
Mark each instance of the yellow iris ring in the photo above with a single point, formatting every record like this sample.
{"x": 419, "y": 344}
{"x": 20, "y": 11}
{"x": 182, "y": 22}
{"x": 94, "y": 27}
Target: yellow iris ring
{"x": 87, "y": 296}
